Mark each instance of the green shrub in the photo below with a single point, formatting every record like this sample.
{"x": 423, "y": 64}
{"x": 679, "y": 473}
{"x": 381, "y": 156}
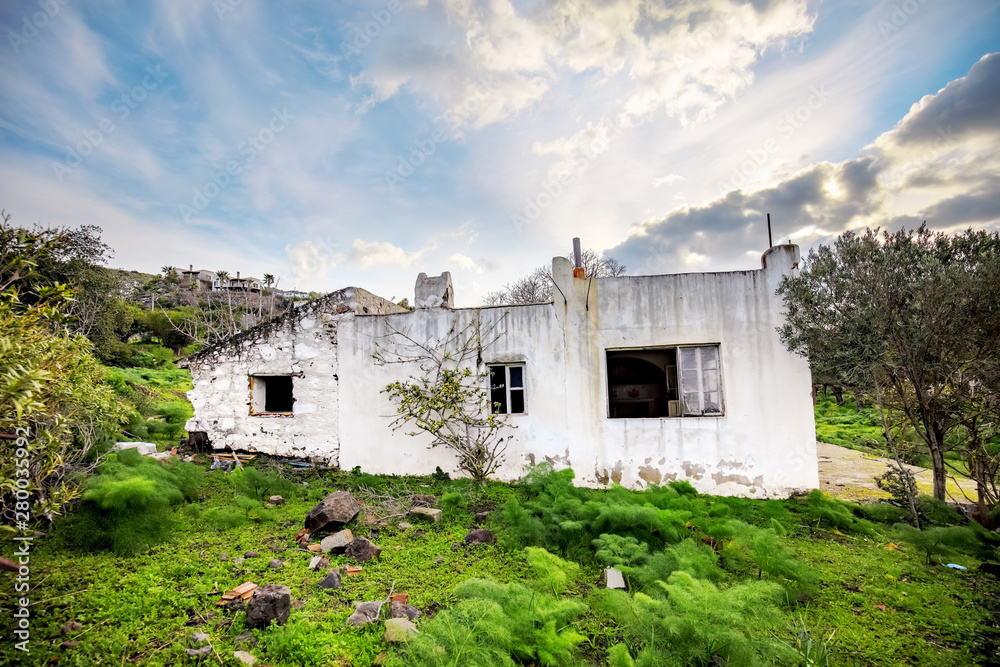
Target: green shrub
{"x": 688, "y": 621}
{"x": 125, "y": 508}
{"x": 505, "y": 624}
{"x": 883, "y": 512}
{"x": 937, "y": 541}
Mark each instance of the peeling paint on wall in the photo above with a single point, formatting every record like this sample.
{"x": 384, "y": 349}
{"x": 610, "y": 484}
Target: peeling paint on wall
{"x": 693, "y": 470}
{"x": 556, "y": 461}
{"x": 742, "y": 480}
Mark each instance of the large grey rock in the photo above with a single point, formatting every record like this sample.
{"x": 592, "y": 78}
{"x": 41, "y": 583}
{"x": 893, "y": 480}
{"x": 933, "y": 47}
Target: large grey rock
{"x": 398, "y": 630}
{"x": 337, "y": 543}
{"x": 400, "y": 610}
{"x": 270, "y": 602}
{"x": 199, "y": 639}
{"x": 336, "y": 510}
{"x": 365, "y": 613}
{"x": 362, "y": 550}
{"x": 423, "y": 500}
{"x": 198, "y": 652}
{"x": 245, "y": 658}
{"x": 331, "y": 581}
{"x": 431, "y": 513}
{"x": 480, "y": 536}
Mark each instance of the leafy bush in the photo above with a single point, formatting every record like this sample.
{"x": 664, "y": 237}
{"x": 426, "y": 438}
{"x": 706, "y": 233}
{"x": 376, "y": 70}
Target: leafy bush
{"x": 937, "y": 541}
{"x": 125, "y": 508}
{"x": 689, "y": 621}
{"x": 496, "y": 624}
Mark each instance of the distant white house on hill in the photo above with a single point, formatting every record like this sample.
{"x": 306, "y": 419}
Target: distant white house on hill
{"x": 633, "y": 379}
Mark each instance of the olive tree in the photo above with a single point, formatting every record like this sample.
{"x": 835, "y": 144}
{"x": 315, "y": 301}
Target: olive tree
{"x": 911, "y": 320}
{"x": 449, "y": 398}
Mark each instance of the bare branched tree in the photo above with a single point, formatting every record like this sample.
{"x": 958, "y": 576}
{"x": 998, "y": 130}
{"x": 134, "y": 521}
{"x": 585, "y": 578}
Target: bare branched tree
{"x": 536, "y": 287}
{"x": 449, "y": 398}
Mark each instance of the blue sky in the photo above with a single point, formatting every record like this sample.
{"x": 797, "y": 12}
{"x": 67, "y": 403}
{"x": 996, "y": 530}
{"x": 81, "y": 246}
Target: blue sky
{"x": 360, "y": 143}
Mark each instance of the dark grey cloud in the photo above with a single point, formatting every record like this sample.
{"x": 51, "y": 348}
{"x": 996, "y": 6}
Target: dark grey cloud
{"x": 977, "y": 206}
{"x": 966, "y": 106}
{"x": 730, "y": 231}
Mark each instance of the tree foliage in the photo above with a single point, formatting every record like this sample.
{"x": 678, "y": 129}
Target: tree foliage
{"x": 450, "y": 398}
{"x": 911, "y": 320}
{"x": 50, "y": 384}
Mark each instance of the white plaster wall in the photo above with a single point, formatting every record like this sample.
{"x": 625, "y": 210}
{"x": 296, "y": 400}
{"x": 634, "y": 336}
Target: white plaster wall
{"x": 302, "y": 344}
{"x": 764, "y": 445}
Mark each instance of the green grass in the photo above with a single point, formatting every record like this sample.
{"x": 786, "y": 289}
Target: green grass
{"x": 144, "y": 609}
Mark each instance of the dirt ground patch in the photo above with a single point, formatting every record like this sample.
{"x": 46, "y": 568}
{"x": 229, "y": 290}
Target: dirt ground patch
{"x": 849, "y": 474}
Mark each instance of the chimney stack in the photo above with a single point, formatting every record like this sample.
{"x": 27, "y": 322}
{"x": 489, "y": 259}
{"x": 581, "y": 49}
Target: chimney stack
{"x": 190, "y": 267}
{"x": 237, "y": 275}
{"x": 578, "y": 270}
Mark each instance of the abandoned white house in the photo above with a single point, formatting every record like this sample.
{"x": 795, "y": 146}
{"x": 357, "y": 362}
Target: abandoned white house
{"x": 635, "y": 379}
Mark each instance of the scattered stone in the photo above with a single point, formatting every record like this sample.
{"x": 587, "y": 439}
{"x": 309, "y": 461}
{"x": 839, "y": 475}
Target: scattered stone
{"x": 614, "y": 578}
{"x": 400, "y": 597}
{"x": 480, "y": 536}
{"x": 275, "y": 564}
{"x": 314, "y": 547}
{"x": 245, "y": 638}
{"x": 427, "y": 512}
{"x": 990, "y": 567}
{"x": 332, "y": 581}
{"x": 270, "y": 602}
{"x": 277, "y": 500}
{"x": 353, "y": 570}
{"x": 245, "y": 658}
{"x": 71, "y": 626}
{"x": 277, "y": 548}
{"x": 144, "y": 448}
{"x": 198, "y": 639}
{"x": 337, "y": 509}
{"x": 337, "y": 543}
{"x": 365, "y": 613}
{"x": 423, "y": 500}
{"x": 70, "y": 644}
{"x": 199, "y": 652}
{"x": 401, "y": 610}
{"x": 404, "y": 525}
{"x": 38, "y": 535}
{"x": 440, "y": 559}
{"x": 398, "y": 630}
{"x": 250, "y": 554}
{"x": 482, "y": 516}
{"x": 362, "y": 550}
{"x": 318, "y": 562}
{"x": 237, "y": 561}
{"x": 223, "y": 556}
{"x": 419, "y": 533}
{"x": 298, "y": 604}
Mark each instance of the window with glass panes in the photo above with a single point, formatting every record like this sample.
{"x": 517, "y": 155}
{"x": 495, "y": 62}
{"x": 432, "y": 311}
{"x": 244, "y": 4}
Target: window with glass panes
{"x": 507, "y": 389}
{"x": 677, "y": 381}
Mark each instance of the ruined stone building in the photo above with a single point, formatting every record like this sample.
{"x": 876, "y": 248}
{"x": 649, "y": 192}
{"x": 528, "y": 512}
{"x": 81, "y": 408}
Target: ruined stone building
{"x": 633, "y": 379}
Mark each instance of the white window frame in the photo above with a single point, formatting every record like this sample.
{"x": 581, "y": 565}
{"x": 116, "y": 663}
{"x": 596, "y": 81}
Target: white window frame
{"x": 508, "y": 389}
{"x": 705, "y": 379}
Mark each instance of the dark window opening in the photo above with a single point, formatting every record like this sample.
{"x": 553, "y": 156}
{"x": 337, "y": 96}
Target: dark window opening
{"x": 271, "y": 394}
{"x": 507, "y": 389}
{"x": 664, "y": 382}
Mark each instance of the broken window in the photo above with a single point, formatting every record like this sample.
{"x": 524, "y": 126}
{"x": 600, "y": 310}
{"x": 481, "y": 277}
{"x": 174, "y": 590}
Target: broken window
{"x": 665, "y": 382}
{"x": 271, "y": 394}
{"x": 507, "y": 389}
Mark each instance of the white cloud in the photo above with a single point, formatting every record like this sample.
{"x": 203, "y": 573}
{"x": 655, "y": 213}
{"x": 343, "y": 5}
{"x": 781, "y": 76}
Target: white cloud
{"x": 366, "y": 254}
{"x": 669, "y": 179}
